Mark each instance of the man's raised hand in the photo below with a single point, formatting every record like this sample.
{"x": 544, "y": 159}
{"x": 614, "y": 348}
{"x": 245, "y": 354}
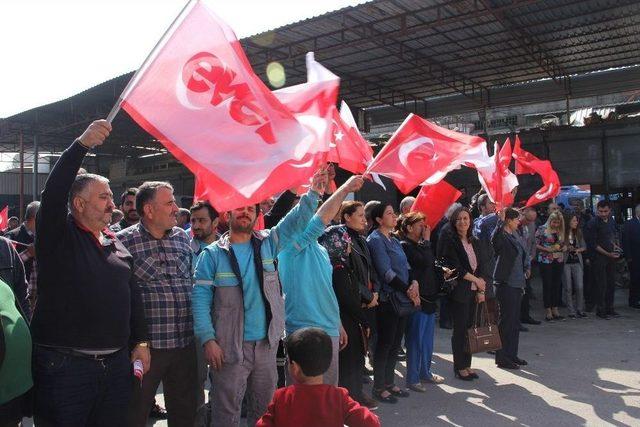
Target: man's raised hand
{"x": 95, "y": 134}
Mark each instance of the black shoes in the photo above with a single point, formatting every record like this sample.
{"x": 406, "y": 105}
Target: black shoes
{"x": 158, "y": 412}
{"x": 524, "y": 329}
{"x": 520, "y": 362}
{"x": 507, "y": 364}
{"x": 530, "y": 321}
{"x": 377, "y": 394}
{"x": 636, "y": 305}
{"x": 581, "y": 314}
{"x": 603, "y": 316}
{"x": 397, "y": 392}
{"x": 613, "y": 313}
{"x": 459, "y": 376}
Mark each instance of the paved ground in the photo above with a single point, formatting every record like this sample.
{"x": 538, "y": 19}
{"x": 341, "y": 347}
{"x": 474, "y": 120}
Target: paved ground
{"x": 581, "y": 372}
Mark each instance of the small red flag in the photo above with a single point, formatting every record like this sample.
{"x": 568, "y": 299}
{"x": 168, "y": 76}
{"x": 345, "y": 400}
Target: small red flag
{"x": 4, "y": 218}
{"x": 348, "y": 148}
{"x": 496, "y": 178}
{"x": 434, "y": 200}
{"x": 420, "y": 152}
{"x": 523, "y": 159}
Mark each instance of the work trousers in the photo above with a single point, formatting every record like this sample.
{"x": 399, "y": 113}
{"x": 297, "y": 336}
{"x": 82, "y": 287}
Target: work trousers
{"x": 177, "y": 369}
{"x": 390, "y": 331}
{"x": 255, "y": 376}
{"x": 509, "y": 299}
{"x": 419, "y": 341}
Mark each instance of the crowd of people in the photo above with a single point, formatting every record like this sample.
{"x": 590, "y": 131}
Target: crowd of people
{"x": 100, "y": 305}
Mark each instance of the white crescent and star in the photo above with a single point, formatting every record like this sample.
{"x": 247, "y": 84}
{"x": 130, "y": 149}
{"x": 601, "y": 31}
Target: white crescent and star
{"x": 408, "y": 147}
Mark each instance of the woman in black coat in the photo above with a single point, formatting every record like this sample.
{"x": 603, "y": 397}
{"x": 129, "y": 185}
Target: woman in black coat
{"x": 460, "y": 251}
{"x": 510, "y": 275}
{"x": 345, "y": 285}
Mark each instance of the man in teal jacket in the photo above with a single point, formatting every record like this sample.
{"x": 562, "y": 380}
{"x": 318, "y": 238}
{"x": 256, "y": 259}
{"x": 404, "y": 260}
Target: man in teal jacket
{"x": 238, "y": 307}
{"x": 306, "y": 275}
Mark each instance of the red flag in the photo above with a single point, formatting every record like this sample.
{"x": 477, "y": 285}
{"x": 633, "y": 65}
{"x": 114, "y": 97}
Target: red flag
{"x": 348, "y": 148}
{"x": 496, "y": 178}
{"x": 4, "y": 218}
{"x": 550, "y": 180}
{"x": 422, "y": 152}
{"x": 523, "y": 159}
{"x": 528, "y": 163}
{"x": 434, "y": 200}
{"x": 200, "y": 98}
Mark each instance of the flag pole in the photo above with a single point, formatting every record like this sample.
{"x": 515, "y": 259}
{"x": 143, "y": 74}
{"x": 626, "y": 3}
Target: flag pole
{"x": 140, "y": 71}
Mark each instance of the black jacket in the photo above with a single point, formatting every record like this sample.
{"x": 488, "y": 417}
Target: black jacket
{"x": 21, "y": 234}
{"x": 348, "y": 295}
{"x": 506, "y": 252}
{"x": 362, "y": 266}
{"x": 87, "y": 297}
{"x": 424, "y": 271}
{"x": 453, "y": 254}
{"x": 12, "y": 273}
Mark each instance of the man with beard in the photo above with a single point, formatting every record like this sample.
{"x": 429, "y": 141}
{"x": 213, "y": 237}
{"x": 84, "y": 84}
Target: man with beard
{"x": 128, "y": 208}
{"x": 89, "y": 311}
{"x": 204, "y": 225}
{"x": 162, "y": 267}
{"x": 238, "y": 306}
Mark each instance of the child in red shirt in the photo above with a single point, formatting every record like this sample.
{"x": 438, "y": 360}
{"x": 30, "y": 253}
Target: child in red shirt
{"x": 310, "y": 403}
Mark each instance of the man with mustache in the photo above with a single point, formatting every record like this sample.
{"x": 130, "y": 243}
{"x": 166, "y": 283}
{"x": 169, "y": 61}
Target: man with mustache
{"x": 162, "y": 267}
{"x": 89, "y": 311}
{"x": 238, "y": 306}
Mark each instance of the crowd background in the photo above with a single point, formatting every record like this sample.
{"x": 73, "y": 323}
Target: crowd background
{"x": 102, "y": 303}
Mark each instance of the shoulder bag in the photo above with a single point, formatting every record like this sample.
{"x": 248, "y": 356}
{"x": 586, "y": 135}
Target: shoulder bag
{"x": 484, "y": 335}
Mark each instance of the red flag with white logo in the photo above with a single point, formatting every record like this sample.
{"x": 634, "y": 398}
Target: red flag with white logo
{"x": 422, "y": 152}
{"x": 348, "y": 148}
{"x": 434, "y": 200}
{"x": 4, "y": 218}
{"x": 200, "y": 98}
{"x": 528, "y": 163}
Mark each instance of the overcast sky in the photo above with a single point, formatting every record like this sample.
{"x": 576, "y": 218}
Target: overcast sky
{"x": 52, "y": 49}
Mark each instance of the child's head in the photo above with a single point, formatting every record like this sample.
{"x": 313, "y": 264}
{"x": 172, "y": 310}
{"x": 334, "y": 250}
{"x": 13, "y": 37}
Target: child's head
{"x": 310, "y": 352}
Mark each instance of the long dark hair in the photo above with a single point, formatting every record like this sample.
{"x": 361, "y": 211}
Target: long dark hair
{"x": 454, "y": 218}
{"x": 567, "y": 227}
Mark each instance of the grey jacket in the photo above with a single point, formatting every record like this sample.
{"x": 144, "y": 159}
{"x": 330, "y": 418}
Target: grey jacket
{"x": 580, "y": 244}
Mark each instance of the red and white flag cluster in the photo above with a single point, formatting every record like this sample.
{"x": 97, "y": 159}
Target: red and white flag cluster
{"x": 198, "y": 95}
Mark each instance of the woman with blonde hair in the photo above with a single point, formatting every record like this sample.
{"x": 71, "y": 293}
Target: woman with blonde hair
{"x": 550, "y": 243}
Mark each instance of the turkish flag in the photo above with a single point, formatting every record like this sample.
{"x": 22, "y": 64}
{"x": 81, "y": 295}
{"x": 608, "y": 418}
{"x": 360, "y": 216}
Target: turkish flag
{"x": 198, "y": 95}
{"x": 348, "y": 148}
{"x": 527, "y": 163}
{"x": 434, "y": 200}
{"x": 523, "y": 159}
{"x": 4, "y": 218}
{"x": 496, "y": 178}
{"x": 420, "y": 152}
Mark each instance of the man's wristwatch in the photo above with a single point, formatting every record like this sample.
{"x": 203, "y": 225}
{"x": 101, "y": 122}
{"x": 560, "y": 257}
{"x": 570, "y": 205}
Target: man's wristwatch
{"x": 143, "y": 344}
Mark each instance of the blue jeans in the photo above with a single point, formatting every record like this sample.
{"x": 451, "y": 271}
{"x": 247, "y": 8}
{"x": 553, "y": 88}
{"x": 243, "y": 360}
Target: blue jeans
{"x": 419, "y": 341}
{"x": 76, "y": 391}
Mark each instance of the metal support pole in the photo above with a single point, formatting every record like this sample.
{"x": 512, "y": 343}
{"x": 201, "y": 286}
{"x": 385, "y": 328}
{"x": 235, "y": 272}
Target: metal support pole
{"x": 605, "y": 164}
{"x": 35, "y": 167}
{"x": 568, "y": 112}
{"x": 21, "y": 177}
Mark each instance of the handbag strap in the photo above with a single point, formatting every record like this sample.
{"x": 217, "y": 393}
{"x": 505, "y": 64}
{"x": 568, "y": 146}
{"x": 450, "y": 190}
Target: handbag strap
{"x": 485, "y": 311}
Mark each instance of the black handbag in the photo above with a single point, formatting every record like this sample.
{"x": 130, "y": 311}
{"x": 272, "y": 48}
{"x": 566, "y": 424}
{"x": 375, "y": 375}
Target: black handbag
{"x": 402, "y": 304}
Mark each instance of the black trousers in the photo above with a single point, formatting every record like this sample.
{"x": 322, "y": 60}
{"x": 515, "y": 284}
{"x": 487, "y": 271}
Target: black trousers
{"x": 445, "y": 313}
{"x": 351, "y": 360}
{"x": 604, "y": 275}
{"x": 177, "y": 370}
{"x": 509, "y": 299}
{"x": 462, "y": 319}
{"x": 589, "y": 298}
{"x": 390, "y": 331}
{"x": 634, "y": 283}
{"x": 551, "y": 283}
{"x": 525, "y": 305}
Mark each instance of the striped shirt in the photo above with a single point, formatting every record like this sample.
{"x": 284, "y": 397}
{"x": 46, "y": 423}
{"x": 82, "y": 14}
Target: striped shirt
{"x": 162, "y": 268}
